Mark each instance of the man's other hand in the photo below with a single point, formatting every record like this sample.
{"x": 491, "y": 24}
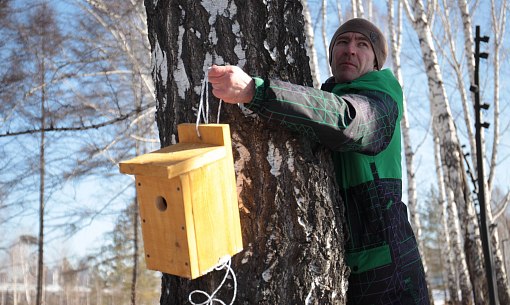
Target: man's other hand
{"x": 231, "y": 84}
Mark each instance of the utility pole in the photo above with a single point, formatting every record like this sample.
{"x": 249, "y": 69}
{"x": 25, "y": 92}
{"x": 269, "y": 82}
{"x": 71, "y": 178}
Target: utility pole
{"x": 484, "y": 228}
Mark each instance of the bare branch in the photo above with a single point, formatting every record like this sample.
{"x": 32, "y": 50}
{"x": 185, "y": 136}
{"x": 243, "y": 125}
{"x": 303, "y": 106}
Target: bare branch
{"x": 503, "y": 208}
{"x": 93, "y": 126}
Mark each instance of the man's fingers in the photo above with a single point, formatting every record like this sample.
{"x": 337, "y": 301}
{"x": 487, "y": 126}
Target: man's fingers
{"x": 217, "y": 71}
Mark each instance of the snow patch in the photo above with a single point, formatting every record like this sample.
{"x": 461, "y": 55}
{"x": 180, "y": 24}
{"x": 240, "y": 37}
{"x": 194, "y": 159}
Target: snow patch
{"x": 181, "y": 79}
{"x": 274, "y": 158}
{"x": 174, "y": 141}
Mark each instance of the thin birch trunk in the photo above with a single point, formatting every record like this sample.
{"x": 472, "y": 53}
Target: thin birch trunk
{"x": 456, "y": 185}
{"x": 354, "y": 5}
{"x": 456, "y": 65}
{"x": 499, "y": 31}
{"x": 447, "y": 252}
{"x": 324, "y": 34}
{"x": 340, "y": 15}
{"x": 310, "y": 45}
{"x": 396, "y": 46}
{"x": 361, "y": 13}
{"x": 39, "y": 299}
{"x": 370, "y": 17}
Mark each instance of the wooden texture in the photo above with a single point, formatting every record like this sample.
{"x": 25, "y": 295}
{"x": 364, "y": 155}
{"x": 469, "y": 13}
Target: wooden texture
{"x": 188, "y": 202}
{"x": 173, "y": 161}
{"x": 165, "y": 234}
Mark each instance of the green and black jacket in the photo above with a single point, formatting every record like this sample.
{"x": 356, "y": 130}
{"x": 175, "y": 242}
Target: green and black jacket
{"x": 360, "y": 122}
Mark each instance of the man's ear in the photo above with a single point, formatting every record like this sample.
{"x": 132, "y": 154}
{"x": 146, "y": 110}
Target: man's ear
{"x": 375, "y": 66}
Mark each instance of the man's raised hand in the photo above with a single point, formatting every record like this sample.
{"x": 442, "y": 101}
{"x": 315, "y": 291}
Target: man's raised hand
{"x": 231, "y": 84}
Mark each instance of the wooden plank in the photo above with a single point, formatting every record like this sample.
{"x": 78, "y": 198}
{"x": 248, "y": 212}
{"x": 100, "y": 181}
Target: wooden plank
{"x": 173, "y": 160}
{"x": 215, "y": 134}
{"x": 164, "y": 232}
{"x": 213, "y": 217}
{"x": 190, "y": 225}
{"x": 218, "y": 134}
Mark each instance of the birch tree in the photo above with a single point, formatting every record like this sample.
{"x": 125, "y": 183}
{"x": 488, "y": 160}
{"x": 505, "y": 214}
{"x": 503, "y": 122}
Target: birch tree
{"x": 310, "y": 45}
{"x": 289, "y": 204}
{"x": 456, "y": 64}
{"x": 451, "y": 153}
{"x": 396, "y": 47}
{"x": 447, "y": 252}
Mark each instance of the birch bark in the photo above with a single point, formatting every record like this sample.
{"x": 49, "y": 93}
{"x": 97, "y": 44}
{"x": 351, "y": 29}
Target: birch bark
{"x": 498, "y": 24}
{"x": 324, "y": 34}
{"x": 447, "y": 252}
{"x": 451, "y": 153}
{"x": 396, "y": 46}
{"x": 310, "y": 45}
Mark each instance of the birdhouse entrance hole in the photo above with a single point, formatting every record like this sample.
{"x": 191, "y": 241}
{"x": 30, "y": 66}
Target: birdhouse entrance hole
{"x": 161, "y": 203}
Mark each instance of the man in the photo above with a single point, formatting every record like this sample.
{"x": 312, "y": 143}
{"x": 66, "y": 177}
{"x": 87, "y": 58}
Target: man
{"x": 357, "y": 115}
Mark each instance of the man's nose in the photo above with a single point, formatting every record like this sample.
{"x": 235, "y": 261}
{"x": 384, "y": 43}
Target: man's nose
{"x": 350, "y": 48}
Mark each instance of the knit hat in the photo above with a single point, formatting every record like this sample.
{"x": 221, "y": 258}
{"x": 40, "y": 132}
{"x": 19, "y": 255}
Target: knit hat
{"x": 370, "y": 31}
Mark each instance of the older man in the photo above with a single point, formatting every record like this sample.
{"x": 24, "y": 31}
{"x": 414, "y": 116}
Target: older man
{"x": 357, "y": 115}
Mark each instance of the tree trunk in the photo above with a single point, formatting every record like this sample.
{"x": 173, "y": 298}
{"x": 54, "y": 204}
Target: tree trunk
{"x": 42, "y": 165}
{"x": 291, "y": 212}
{"x": 456, "y": 186}
{"x": 310, "y": 45}
{"x": 134, "y": 280}
{"x": 396, "y": 43}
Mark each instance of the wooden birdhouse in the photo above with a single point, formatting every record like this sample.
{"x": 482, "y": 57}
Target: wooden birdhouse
{"x": 188, "y": 201}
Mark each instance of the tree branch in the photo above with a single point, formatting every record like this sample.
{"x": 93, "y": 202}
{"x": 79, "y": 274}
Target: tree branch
{"x": 503, "y": 209}
{"x": 93, "y": 126}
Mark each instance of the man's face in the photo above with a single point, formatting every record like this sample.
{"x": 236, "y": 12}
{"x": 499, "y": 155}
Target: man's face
{"x": 353, "y": 57}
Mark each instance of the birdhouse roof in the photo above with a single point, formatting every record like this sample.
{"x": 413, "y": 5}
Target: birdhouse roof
{"x": 173, "y": 160}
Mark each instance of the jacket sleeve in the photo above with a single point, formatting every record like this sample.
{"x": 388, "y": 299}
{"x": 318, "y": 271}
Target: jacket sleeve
{"x": 362, "y": 122}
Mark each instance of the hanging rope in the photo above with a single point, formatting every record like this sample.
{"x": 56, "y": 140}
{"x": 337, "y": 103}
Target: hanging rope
{"x": 205, "y": 116}
{"x": 210, "y": 298}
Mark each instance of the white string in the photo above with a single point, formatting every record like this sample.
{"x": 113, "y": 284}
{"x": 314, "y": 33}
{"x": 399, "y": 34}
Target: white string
{"x": 219, "y": 110}
{"x": 210, "y": 298}
{"x": 205, "y": 115}
{"x": 201, "y": 104}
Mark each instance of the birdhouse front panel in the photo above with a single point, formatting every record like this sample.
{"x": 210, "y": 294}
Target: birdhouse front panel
{"x": 164, "y": 226}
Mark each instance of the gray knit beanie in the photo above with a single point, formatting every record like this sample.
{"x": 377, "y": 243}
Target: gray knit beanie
{"x": 370, "y": 31}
